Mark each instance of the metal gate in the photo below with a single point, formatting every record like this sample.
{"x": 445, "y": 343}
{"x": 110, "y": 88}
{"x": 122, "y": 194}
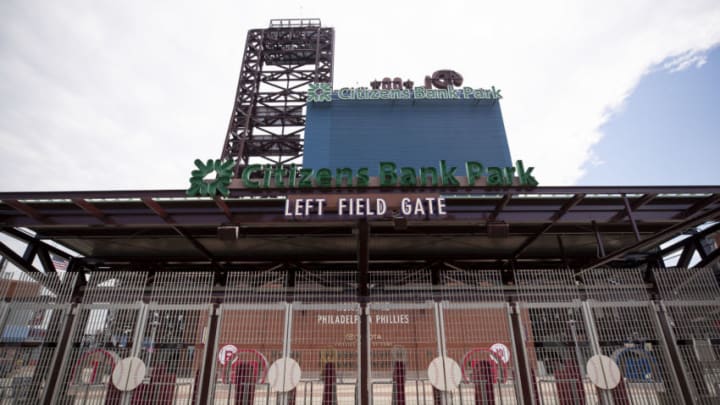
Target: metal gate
{"x": 250, "y": 338}
{"x": 403, "y": 341}
{"x": 630, "y": 334}
{"x": 106, "y": 329}
{"x": 450, "y": 353}
{"x": 617, "y": 328}
{"x": 173, "y": 341}
{"x": 296, "y": 345}
{"x": 324, "y": 337}
{"x": 448, "y": 342}
{"x": 477, "y": 332}
{"x": 442, "y": 337}
{"x": 324, "y": 340}
{"x": 557, "y": 347}
{"x": 123, "y": 351}
{"x": 691, "y": 301}
{"x": 102, "y": 335}
{"x": 479, "y": 336}
{"x": 30, "y": 326}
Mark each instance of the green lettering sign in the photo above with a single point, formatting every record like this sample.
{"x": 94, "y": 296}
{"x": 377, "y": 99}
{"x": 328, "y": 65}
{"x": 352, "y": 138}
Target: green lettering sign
{"x": 258, "y": 176}
{"x": 322, "y": 93}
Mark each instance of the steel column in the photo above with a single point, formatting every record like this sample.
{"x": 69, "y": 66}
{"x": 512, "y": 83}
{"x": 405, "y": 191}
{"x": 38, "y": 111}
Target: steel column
{"x": 598, "y": 239}
{"x": 211, "y": 342}
{"x": 562, "y": 250}
{"x": 679, "y": 369}
{"x": 630, "y": 215}
{"x": 363, "y": 259}
{"x": 634, "y": 206}
{"x": 62, "y": 344}
{"x": 520, "y": 342}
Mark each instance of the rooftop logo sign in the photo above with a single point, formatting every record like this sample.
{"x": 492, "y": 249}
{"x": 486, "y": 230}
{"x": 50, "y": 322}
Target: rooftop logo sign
{"x": 443, "y": 84}
{"x": 418, "y": 93}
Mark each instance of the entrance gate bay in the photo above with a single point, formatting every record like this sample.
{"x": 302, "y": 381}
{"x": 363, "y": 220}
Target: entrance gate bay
{"x": 450, "y": 342}
{"x": 31, "y": 325}
{"x": 114, "y": 324}
{"x": 690, "y": 299}
{"x": 263, "y": 325}
{"x": 317, "y": 324}
{"x": 561, "y": 333}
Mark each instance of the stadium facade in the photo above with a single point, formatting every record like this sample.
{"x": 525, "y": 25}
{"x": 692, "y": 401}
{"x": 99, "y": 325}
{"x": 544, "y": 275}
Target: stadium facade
{"x": 372, "y": 245}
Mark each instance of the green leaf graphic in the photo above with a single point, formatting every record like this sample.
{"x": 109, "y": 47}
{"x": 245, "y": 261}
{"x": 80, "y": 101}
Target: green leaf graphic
{"x": 319, "y": 93}
{"x": 223, "y": 177}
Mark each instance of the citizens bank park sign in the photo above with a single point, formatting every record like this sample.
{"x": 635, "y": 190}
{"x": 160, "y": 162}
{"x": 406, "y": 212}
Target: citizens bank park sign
{"x": 215, "y": 177}
{"x": 323, "y": 92}
{"x": 447, "y": 86}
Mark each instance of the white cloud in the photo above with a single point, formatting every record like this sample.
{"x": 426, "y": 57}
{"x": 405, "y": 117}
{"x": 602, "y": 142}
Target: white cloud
{"x": 109, "y": 95}
{"x": 689, "y": 59}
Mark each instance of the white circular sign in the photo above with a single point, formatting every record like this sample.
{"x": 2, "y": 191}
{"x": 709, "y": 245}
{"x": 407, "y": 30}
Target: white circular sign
{"x": 128, "y": 374}
{"x": 501, "y": 351}
{"x": 283, "y": 375}
{"x": 444, "y": 373}
{"x": 603, "y": 372}
{"x": 226, "y": 353}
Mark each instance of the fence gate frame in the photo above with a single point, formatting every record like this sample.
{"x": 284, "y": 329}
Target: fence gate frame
{"x": 221, "y": 313}
{"x": 345, "y": 307}
{"x": 525, "y": 320}
{"x": 63, "y": 311}
{"x": 690, "y": 376}
{"x": 652, "y": 316}
{"x": 507, "y": 309}
{"x": 288, "y": 310}
{"x": 207, "y": 309}
{"x": 593, "y": 343}
{"x": 438, "y": 339}
{"x": 62, "y": 383}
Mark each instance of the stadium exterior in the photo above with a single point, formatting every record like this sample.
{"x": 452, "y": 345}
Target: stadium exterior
{"x": 457, "y": 281}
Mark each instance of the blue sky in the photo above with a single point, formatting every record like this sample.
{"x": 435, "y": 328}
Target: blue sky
{"x": 666, "y": 133}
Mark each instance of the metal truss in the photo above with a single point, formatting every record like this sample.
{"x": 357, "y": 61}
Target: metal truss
{"x": 268, "y": 117}
{"x": 692, "y": 244}
{"x": 37, "y": 252}
{"x": 575, "y": 227}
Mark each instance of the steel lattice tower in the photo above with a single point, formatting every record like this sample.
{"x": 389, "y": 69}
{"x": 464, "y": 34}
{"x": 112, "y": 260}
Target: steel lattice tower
{"x": 268, "y": 117}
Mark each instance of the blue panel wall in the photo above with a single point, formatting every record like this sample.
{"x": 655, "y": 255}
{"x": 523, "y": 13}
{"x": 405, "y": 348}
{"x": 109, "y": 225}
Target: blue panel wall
{"x": 416, "y": 133}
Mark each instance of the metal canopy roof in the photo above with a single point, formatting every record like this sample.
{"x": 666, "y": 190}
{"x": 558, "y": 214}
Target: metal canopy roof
{"x": 547, "y": 226}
